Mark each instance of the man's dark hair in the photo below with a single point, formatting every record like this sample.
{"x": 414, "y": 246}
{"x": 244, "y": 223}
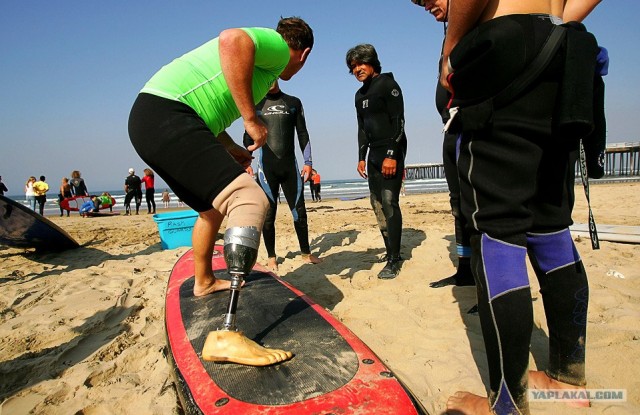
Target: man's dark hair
{"x": 296, "y": 32}
{"x": 42, "y": 178}
{"x": 364, "y": 53}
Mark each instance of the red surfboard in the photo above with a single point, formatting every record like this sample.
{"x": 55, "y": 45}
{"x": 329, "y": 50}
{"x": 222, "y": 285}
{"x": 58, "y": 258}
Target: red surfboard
{"x": 332, "y": 371}
{"x": 74, "y": 203}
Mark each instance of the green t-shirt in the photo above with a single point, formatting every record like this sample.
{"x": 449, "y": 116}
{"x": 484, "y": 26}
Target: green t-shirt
{"x": 196, "y": 78}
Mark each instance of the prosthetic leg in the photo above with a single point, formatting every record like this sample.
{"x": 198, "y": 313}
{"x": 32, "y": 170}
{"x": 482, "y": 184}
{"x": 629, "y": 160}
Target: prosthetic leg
{"x": 228, "y": 344}
{"x": 240, "y": 253}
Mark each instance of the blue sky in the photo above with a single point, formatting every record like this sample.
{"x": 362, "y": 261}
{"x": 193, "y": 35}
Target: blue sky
{"x": 71, "y": 71}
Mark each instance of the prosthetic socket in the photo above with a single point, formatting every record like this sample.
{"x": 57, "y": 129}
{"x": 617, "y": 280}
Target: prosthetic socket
{"x": 240, "y": 253}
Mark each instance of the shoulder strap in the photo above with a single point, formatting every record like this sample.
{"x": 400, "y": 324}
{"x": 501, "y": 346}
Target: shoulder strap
{"x": 534, "y": 70}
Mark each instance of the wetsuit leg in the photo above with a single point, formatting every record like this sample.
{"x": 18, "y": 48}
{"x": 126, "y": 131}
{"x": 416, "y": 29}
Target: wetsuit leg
{"x": 565, "y": 294}
{"x": 506, "y": 318}
{"x": 385, "y": 198}
{"x": 270, "y": 183}
{"x": 292, "y": 187}
{"x": 463, "y": 275}
{"x": 127, "y": 202}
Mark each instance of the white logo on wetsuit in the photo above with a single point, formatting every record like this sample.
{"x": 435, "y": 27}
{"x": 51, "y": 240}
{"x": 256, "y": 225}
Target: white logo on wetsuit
{"x": 365, "y": 103}
{"x": 395, "y": 92}
{"x": 276, "y": 109}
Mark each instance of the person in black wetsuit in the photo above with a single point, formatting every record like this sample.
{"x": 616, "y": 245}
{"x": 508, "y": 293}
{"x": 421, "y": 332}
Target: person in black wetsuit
{"x": 133, "y": 190}
{"x": 463, "y": 276}
{"x": 277, "y": 167}
{"x": 380, "y": 113}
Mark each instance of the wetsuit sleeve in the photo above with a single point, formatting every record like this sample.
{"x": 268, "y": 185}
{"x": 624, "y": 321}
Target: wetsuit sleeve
{"x": 363, "y": 142}
{"x": 395, "y": 109}
{"x": 303, "y": 135}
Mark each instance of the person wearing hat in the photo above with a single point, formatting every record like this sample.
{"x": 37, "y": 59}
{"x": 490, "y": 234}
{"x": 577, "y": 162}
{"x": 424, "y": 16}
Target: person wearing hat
{"x": 132, "y": 189}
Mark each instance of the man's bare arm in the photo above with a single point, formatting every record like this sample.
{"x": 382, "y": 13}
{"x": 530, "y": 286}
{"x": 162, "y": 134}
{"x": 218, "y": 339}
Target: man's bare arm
{"x": 237, "y": 59}
{"x": 463, "y": 16}
{"x": 578, "y": 10}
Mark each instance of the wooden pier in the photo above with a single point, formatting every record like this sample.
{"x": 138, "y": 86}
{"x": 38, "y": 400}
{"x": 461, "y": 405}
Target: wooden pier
{"x": 621, "y": 159}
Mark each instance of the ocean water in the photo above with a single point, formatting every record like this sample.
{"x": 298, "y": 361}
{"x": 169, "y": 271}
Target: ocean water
{"x": 330, "y": 189}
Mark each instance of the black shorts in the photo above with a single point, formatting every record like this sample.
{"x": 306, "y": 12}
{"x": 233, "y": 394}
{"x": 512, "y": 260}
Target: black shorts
{"x": 176, "y": 143}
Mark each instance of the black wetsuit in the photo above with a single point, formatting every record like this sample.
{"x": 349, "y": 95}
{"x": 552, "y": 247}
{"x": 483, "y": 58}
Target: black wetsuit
{"x": 516, "y": 179}
{"x": 380, "y": 110}
{"x": 134, "y": 190}
{"x": 277, "y": 167}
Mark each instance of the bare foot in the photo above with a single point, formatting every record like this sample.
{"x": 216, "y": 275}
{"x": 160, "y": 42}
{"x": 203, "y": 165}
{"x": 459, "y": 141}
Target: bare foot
{"x": 272, "y": 263}
{"x": 217, "y": 285}
{"x": 233, "y": 346}
{"x": 538, "y": 379}
{"x": 311, "y": 259}
{"x": 467, "y": 403}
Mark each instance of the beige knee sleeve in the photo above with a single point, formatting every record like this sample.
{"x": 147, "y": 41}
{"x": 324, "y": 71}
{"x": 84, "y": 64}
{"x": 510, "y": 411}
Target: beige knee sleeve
{"x": 243, "y": 202}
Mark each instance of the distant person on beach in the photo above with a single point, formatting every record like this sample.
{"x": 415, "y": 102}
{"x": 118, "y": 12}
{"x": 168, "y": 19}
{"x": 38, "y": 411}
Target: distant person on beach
{"x": 92, "y": 205}
{"x": 65, "y": 192}
{"x": 150, "y": 191}
{"x": 515, "y": 168}
{"x": 463, "y": 276}
{"x": 277, "y": 167}
{"x": 133, "y": 191}
{"x": 166, "y": 198}
{"x": 178, "y": 127}
{"x": 106, "y": 199}
{"x": 29, "y": 193}
{"x": 316, "y": 185}
{"x": 312, "y": 189}
{"x": 3, "y": 187}
{"x": 40, "y": 188}
{"x": 78, "y": 186}
{"x": 381, "y": 135}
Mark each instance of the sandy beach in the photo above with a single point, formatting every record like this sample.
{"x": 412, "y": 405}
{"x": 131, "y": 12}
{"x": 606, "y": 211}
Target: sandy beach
{"x": 82, "y": 331}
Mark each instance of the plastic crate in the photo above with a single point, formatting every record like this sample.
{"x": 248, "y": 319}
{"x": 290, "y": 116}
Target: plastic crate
{"x": 175, "y": 228}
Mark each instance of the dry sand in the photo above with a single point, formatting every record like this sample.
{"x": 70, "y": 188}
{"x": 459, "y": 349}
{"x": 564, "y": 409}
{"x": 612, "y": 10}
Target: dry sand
{"x": 82, "y": 331}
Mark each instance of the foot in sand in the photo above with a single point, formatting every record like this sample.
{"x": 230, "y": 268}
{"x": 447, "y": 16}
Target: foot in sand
{"x": 311, "y": 259}
{"x": 538, "y": 379}
{"x": 467, "y": 403}
{"x": 233, "y": 346}
{"x": 215, "y": 285}
{"x": 272, "y": 263}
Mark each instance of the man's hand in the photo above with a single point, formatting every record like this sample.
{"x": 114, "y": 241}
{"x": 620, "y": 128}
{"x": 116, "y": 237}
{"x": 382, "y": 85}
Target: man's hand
{"x": 305, "y": 173}
{"x": 389, "y": 168}
{"x": 258, "y": 132}
{"x": 362, "y": 169}
{"x": 249, "y": 170}
{"x": 241, "y": 154}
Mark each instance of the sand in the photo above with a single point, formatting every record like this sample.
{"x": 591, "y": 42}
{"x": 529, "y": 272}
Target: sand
{"x": 82, "y": 331}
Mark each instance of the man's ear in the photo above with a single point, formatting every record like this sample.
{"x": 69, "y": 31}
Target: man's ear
{"x": 305, "y": 55}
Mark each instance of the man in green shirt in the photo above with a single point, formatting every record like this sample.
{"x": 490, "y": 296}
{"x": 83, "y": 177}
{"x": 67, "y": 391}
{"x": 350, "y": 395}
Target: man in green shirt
{"x": 177, "y": 126}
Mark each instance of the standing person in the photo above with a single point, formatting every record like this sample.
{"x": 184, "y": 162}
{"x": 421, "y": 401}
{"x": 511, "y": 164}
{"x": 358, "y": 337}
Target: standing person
{"x": 29, "y": 193}
{"x": 515, "y": 192}
{"x": 277, "y": 167}
{"x": 40, "y": 188}
{"x": 316, "y": 185}
{"x": 3, "y": 187}
{"x": 184, "y": 110}
{"x": 78, "y": 187}
{"x": 463, "y": 276}
{"x": 148, "y": 180}
{"x": 132, "y": 190}
{"x": 381, "y": 134}
{"x": 312, "y": 187}
{"x": 166, "y": 198}
{"x": 65, "y": 192}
